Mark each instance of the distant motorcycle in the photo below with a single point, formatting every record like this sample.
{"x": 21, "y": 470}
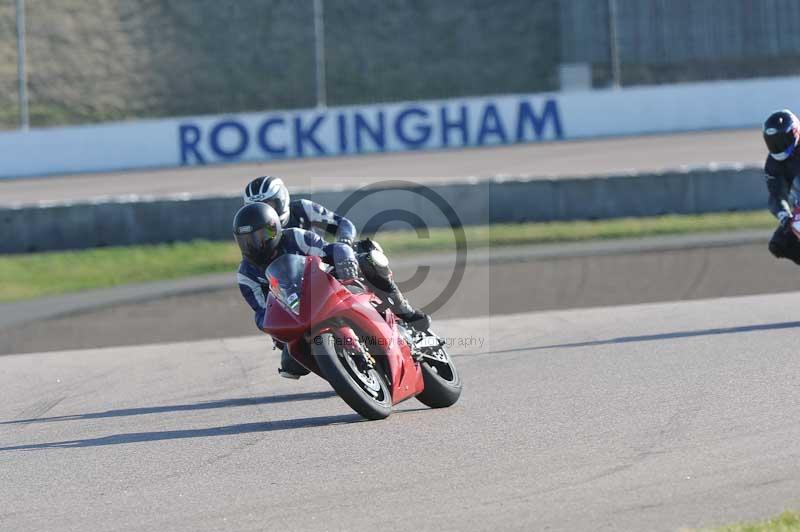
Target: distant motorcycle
{"x": 341, "y": 331}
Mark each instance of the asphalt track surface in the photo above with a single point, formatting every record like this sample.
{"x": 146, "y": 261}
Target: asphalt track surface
{"x": 628, "y": 418}
{"x": 553, "y": 159}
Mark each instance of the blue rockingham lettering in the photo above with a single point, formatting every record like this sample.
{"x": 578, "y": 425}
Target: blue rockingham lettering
{"x": 369, "y": 129}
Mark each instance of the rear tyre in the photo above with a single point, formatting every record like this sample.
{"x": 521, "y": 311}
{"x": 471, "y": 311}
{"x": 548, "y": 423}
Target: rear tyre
{"x": 362, "y": 388}
{"x": 442, "y": 381}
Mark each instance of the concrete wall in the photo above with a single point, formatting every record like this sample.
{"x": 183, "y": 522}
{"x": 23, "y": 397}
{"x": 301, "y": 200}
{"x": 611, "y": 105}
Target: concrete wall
{"x": 408, "y": 126}
{"x": 86, "y": 225}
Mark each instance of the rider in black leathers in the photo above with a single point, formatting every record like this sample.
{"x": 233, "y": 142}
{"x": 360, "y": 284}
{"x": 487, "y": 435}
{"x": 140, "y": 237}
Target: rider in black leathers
{"x": 782, "y": 168}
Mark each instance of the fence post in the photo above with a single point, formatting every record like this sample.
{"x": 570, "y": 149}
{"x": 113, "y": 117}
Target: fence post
{"x": 613, "y": 44}
{"x": 319, "y": 42}
{"x": 22, "y": 77}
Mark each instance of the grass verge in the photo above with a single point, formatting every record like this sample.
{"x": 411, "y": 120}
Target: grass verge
{"x": 785, "y": 522}
{"x": 34, "y": 275}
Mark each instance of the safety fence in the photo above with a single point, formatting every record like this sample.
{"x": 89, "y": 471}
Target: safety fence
{"x": 106, "y": 60}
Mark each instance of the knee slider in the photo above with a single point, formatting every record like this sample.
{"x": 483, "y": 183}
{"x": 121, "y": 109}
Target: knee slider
{"x": 375, "y": 267}
{"x": 374, "y": 264}
{"x": 380, "y": 262}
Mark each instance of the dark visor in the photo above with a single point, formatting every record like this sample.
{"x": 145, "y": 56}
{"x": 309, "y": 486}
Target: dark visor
{"x": 254, "y": 242}
{"x": 779, "y": 142}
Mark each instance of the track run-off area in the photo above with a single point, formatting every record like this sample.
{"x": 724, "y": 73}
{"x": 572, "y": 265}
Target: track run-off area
{"x": 648, "y": 417}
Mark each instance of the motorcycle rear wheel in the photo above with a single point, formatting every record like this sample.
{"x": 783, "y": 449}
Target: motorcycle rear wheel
{"x": 365, "y": 392}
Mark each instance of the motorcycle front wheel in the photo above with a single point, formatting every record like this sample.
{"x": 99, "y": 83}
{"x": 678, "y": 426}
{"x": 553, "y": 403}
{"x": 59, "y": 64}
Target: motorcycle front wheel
{"x": 360, "y": 386}
{"x": 442, "y": 381}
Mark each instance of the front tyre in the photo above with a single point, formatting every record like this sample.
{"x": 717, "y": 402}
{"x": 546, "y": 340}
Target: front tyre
{"x": 442, "y": 381}
{"x": 360, "y": 385}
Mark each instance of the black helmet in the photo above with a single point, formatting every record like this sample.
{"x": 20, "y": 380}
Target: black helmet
{"x": 257, "y": 230}
{"x": 269, "y": 190}
{"x": 781, "y": 131}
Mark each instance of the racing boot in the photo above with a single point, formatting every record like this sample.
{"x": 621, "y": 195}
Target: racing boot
{"x": 415, "y": 318}
{"x": 290, "y": 368}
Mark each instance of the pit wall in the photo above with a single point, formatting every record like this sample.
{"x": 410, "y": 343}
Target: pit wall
{"x": 441, "y": 124}
{"x": 396, "y": 205}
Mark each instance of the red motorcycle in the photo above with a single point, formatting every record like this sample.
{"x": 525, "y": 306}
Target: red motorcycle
{"x": 341, "y": 331}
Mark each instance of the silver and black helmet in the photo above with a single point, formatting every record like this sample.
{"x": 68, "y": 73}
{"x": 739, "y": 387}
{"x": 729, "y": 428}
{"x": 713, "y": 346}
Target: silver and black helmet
{"x": 272, "y": 191}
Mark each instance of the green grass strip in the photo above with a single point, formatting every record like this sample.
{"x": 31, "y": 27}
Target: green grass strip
{"x": 554, "y": 232}
{"x": 785, "y": 522}
{"x": 39, "y": 274}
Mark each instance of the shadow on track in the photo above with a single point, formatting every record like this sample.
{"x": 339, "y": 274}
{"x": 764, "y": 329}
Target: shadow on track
{"x": 205, "y": 405}
{"x": 649, "y": 337}
{"x": 228, "y": 430}
{"x": 243, "y": 428}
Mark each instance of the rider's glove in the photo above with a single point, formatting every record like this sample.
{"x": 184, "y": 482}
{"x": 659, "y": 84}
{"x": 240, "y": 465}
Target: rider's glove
{"x": 784, "y": 218}
{"x": 344, "y": 262}
{"x": 345, "y": 240}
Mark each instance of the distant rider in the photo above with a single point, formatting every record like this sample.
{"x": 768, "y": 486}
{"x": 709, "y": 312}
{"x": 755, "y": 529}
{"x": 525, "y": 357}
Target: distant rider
{"x": 781, "y": 135}
{"x": 261, "y": 239}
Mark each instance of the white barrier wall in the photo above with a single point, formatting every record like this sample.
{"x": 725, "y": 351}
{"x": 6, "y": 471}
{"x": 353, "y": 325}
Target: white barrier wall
{"x": 455, "y": 123}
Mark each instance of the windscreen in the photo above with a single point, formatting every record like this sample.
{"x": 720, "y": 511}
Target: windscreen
{"x": 285, "y": 276}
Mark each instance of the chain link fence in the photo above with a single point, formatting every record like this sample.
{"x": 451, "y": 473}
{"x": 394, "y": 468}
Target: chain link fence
{"x": 99, "y": 60}
{"x": 671, "y": 41}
